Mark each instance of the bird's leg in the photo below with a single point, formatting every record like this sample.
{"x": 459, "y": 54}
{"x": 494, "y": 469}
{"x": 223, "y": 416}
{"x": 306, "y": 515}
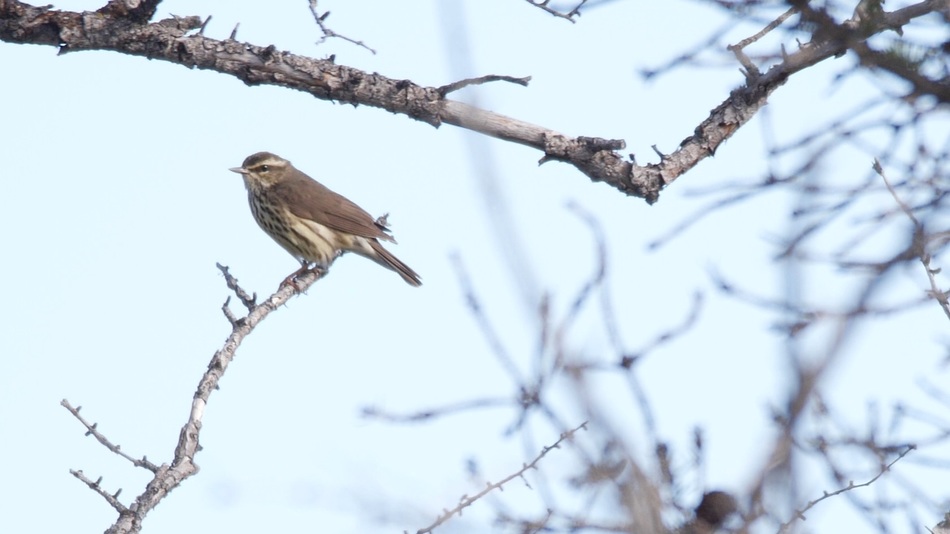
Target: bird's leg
{"x": 318, "y": 269}
{"x": 304, "y": 268}
{"x": 292, "y": 277}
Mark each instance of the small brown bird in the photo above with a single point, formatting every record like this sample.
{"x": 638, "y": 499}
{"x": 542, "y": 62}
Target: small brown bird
{"x": 312, "y": 223}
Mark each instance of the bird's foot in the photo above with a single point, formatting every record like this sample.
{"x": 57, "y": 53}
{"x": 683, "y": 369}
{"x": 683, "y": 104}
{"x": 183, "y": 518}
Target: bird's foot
{"x": 304, "y": 268}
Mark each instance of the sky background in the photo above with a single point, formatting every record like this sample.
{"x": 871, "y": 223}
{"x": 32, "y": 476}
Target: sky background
{"x": 119, "y": 204}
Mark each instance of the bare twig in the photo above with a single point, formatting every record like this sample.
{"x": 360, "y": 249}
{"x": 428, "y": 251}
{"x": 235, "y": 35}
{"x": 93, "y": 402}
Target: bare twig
{"x": 465, "y": 501}
{"x": 919, "y": 245}
{"x": 800, "y": 514}
{"x": 320, "y": 19}
{"x": 96, "y": 486}
{"x": 91, "y": 430}
{"x": 568, "y": 15}
{"x": 761, "y": 33}
{"x": 228, "y": 314}
{"x": 692, "y": 56}
{"x": 249, "y": 301}
{"x": 455, "y": 86}
{"x": 751, "y": 70}
{"x": 204, "y": 25}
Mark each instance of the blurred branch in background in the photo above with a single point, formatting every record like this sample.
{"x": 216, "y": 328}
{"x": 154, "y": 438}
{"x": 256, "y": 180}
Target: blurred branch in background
{"x": 606, "y": 471}
{"x": 568, "y": 13}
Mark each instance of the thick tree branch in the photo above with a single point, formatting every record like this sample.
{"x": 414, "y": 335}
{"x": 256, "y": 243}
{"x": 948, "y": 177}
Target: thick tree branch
{"x": 139, "y": 11}
{"x": 119, "y": 26}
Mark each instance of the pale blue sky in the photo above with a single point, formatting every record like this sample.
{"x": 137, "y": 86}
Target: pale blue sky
{"x": 119, "y": 203}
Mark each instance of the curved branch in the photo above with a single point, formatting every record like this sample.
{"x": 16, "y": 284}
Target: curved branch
{"x": 167, "y": 477}
{"x": 183, "y": 465}
{"x": 118, "y": 27}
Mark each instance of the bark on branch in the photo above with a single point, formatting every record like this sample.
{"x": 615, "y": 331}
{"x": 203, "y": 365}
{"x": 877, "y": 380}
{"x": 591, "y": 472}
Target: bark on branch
{"x": 122, "y": 26}
{"x": 168, "y": 476}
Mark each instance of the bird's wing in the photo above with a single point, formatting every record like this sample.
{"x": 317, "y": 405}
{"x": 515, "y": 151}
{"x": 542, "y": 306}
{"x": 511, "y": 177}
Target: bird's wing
{"x": 313, "y": 200}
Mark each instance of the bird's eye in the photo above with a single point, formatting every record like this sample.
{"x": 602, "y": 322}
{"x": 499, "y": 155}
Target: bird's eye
{"x": 264, "y": 168}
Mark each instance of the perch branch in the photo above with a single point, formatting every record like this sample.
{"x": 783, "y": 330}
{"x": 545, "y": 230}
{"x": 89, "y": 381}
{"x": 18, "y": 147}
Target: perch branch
{"x": 168, "y": 477}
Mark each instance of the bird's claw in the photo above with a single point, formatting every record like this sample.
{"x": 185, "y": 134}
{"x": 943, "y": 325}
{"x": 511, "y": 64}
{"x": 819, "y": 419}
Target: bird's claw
{"x": 305, "y": 268}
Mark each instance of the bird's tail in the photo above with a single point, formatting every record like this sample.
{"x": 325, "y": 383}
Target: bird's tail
{"x": 386, "y": 259}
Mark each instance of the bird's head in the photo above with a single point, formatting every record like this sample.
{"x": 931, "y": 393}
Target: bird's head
{"x": 263, "y": 169}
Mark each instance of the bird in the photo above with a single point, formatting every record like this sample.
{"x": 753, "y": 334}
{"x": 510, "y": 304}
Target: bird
{"x": 311, "y": 222}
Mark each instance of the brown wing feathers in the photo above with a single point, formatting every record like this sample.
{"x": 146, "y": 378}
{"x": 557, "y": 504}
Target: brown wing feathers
{"x": 312, "y": 200}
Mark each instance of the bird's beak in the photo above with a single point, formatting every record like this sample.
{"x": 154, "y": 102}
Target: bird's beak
{"x": 239, "y": 170}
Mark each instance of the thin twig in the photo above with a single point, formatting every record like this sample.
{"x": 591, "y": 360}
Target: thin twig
{"x": 800, "y": 514}
{"x": 204, "y": 25}
{"x": 327, "y": 32}
{"x": 228, "y": 314}
{"x": 711, "y": 42}
{"x": 91, "y": 430}
{"x": 669, "y": 335}
{"x": 919, "y": 245}
{"x": 249, "y": 301}
{"x": 111, "y": 498}
{"x": 466, "y": 501}
{"x": 543, "y": 4}
{"x": 769, "y": 27}
{"x": 455, "y": 86}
